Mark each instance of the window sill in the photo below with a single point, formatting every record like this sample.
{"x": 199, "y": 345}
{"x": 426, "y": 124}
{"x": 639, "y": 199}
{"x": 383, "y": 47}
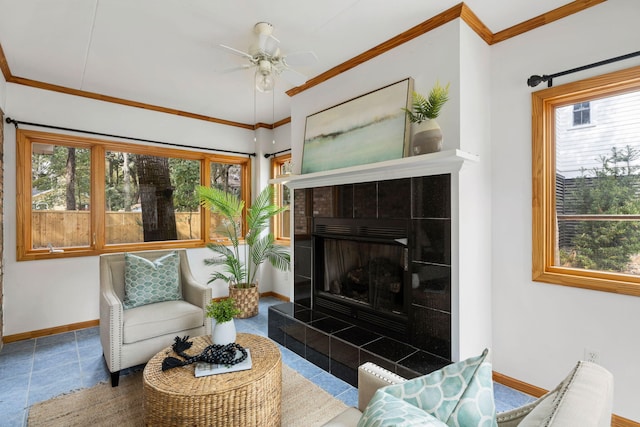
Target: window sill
{"x": 587, "y": 279}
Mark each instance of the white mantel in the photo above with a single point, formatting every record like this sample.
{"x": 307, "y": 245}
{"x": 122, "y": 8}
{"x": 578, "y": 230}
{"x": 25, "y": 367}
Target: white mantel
{"x": 427, "y": 164}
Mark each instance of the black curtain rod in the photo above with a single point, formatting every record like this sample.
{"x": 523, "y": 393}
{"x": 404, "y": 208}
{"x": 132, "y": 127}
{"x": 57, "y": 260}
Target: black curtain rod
{"x": 535, "y": 80}
{"x": 18, "y": 122}
{"x": 266, "y": 156}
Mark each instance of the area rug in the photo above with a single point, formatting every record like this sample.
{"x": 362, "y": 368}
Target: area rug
{"x": 304, "y": 404}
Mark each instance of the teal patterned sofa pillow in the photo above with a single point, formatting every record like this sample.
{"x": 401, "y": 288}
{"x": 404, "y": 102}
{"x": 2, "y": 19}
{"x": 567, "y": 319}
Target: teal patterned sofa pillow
{"x": 146, "y": 281}
{"x": 385, "y": 410}
{"x": 460, "y": 394}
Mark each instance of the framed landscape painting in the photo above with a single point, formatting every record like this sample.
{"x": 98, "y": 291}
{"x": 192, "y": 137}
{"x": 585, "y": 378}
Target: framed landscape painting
{"x": 368, "y": 129}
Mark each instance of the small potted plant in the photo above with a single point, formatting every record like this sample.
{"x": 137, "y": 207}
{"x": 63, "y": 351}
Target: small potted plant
{"x": 427, "y": 136}
{"x": 222, "y": 312}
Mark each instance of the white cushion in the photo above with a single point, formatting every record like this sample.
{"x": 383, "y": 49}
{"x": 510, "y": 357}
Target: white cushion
{"x": 152, "y": 320}
{"x": 347, "y": 418}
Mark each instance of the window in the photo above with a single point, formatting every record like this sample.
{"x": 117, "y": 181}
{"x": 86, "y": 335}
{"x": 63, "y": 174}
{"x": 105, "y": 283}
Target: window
{"x": 225, "y": 176}
{"x": 88, "y": 196}
{"x": 281, "y": 166}
{"x": 581, "y": 113}
{"x": 586, "y": 184}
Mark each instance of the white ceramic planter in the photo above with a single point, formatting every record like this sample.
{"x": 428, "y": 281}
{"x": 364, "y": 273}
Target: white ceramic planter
{"x": 223, "y": 333}
{"x": 427, "y": 138}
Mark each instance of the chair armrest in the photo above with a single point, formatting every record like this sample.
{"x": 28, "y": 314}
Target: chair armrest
{"x": 193, "y": 291}
{"x": 370, "y": 378}
{"x": 111, "y": 319}
{"x": 513, "y": 417}
{"x": 584, "y": 397}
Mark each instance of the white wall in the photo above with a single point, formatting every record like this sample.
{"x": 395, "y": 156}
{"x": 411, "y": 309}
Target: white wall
{"x": 48, "y": 293}
{"x": 541, "y": 330}
{"x": 438, "y": 56}
{"x": 427, "y": 59}
{"x": 267, "y": 142}
{"x": 280, "y": 282}
{"x": 474, "y": 208}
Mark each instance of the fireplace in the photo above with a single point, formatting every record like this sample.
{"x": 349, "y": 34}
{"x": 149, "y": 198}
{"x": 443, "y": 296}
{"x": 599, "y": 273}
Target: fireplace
{"x": 361, "y": 271}
{"x": 378, "y": 255}
{"x": 366, "y": 213}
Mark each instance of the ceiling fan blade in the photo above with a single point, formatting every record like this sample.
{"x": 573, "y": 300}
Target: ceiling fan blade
{"x": 237, "y": 52}
{"x": 300, "y": 59}
{"x": 294, "y": 77}
{"x": 232, "y": 69}
{"x": 268, "y": 44}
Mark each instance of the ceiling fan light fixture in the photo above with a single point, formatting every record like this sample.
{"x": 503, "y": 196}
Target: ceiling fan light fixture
{"x": 265, "y": 82}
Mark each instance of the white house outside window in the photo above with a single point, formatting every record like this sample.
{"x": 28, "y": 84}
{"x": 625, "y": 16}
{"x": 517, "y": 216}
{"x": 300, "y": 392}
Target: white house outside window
{"x": 582, "y": 114}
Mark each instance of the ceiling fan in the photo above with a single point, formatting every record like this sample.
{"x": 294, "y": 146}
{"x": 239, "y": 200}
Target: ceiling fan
{"x": 265, "y": 55}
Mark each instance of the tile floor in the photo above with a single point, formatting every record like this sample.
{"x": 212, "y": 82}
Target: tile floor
{"x": 35, "y": 370}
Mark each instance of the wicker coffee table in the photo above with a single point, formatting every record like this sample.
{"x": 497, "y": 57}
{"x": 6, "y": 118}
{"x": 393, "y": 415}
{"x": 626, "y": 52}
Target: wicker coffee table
{"x": 244, "y": 398}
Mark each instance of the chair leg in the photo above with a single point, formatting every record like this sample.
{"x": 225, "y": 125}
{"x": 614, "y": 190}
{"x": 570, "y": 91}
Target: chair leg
{"x": 115, "y": 378}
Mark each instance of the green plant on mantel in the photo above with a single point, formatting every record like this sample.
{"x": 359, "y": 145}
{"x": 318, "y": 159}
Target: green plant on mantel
{"x": 222, "y": 310}
{"x": 425, "y": 108}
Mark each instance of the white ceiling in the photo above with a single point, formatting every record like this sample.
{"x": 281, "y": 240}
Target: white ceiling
{"x": 166, "y": 53}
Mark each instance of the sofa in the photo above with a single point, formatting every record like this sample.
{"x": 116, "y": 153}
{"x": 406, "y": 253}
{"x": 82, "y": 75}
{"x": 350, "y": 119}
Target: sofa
{"x": 583, "y": 399}
{"x": 134, "y": 327}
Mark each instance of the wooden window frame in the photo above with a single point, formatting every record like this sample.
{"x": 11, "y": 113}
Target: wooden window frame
{"x": 544, "y": 232}
{"x": 24, "y": 141}
{"x": 276, "y": 163}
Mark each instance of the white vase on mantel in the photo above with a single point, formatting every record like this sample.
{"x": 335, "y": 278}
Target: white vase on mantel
{"x": 223, "y": 333}
{"x": 427, "y": 137}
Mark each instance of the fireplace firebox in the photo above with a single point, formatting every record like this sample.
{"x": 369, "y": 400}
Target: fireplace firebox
{"x": 361, "y": 271}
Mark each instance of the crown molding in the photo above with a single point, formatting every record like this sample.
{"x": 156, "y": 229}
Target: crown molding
{"x": 106, "y": 98}
{"x": 462, "y": 11}
{"x": 544, "y": 19}
{"x": 4, "y": 66}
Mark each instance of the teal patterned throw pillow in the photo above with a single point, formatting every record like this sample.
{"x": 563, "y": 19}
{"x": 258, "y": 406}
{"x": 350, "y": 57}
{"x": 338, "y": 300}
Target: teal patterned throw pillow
{"x": 146, "y": 282}
{"x": 385, "y": 410}
{"x": 460, "y": 394}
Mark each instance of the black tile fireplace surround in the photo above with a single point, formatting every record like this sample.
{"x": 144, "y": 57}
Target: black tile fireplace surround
{"x": 330, "y": 320}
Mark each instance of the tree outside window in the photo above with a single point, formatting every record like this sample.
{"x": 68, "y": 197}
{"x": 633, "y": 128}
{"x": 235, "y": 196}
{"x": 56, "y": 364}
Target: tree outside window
{"x": 60, "y": 195}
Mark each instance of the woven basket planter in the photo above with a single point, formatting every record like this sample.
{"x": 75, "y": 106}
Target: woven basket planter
{"x": 246, "y": 300}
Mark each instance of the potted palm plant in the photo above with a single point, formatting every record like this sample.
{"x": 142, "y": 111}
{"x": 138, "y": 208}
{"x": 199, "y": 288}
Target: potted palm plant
{"x": 257, "y": 245}
{"x": 427, "y": 135}
{"x": 222, "y": 312}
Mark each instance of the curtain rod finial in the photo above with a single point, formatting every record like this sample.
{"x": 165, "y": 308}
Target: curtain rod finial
{"x": 535, "y": 80}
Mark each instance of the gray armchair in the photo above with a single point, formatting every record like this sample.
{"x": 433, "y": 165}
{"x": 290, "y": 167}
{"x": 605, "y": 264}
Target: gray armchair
{"x": 132, "y": 336}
